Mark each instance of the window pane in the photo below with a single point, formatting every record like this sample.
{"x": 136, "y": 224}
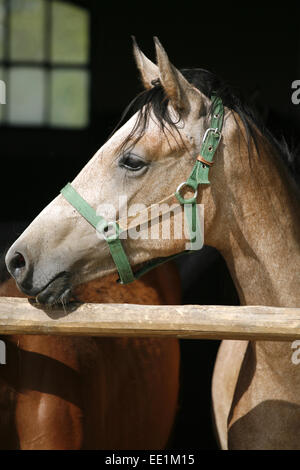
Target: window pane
{"x": 2, "y": 14}
{"x": 26, "y": 95}
{"x": 27, "y": 28}
{"x": 70, "y": 38}
{"x": 69, "y": 98}
{"x": 2, "y": 94}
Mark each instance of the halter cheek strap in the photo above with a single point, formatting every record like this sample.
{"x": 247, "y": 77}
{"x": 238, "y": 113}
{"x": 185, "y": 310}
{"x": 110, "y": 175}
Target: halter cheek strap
{"x": 111, "y": 230}
{"x": 199, "y": 174}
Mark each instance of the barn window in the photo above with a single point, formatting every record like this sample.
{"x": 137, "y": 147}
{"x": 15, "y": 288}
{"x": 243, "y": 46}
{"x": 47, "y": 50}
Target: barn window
{"x": 44, "y": 62}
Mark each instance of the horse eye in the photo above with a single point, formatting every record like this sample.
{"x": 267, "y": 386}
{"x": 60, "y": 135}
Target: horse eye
{"x": 131, "y": 162}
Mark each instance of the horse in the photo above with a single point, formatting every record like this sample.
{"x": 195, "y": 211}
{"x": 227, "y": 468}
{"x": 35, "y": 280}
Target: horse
{"x": 71, "y": 393}
{"x": 163, "y": 144}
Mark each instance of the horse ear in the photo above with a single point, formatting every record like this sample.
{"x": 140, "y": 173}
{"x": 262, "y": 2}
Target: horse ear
{"x": 182, "y": 94}
{"x": 148, "y": 70}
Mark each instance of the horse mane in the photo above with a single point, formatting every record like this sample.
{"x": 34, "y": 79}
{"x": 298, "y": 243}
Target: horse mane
{"x": 208, "y": 83}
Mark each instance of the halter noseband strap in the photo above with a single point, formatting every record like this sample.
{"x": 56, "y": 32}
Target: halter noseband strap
{"x": 199, "y": 175}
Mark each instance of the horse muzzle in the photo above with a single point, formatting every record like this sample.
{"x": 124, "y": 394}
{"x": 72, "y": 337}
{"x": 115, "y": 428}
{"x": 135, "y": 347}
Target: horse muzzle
{"x": 56, "y": 290}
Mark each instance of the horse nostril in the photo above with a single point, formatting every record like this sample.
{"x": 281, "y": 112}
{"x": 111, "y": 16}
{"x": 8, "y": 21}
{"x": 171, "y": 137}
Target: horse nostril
{"x": 17, "y": 261}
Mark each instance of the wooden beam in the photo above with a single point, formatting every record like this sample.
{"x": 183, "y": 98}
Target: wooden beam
{"x": 19, "y": 316}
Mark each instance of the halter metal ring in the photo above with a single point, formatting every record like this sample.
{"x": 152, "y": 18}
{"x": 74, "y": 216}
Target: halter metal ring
{"x": 185, "y": 184}
{"x": 110, "y": 231}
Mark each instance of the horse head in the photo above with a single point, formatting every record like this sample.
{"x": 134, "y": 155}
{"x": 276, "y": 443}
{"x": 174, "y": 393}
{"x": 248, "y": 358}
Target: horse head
{"x": 142, "y": 163}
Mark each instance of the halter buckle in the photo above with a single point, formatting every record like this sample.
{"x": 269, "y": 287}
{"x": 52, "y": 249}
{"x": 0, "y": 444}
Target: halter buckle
{"x": 215, "y": 130}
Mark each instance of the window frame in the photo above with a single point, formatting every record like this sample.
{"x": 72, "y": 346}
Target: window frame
{"x": 46, "y": 65}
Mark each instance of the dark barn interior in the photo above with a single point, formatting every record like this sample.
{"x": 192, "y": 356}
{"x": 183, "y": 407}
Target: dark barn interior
{"x": 256, "y": 49}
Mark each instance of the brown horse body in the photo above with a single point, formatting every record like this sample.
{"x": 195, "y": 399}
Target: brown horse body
{"x": 92, "y": 393}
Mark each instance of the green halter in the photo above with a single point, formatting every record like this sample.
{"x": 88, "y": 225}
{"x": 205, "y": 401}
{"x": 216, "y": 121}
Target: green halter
{"x": 111, "y": 230}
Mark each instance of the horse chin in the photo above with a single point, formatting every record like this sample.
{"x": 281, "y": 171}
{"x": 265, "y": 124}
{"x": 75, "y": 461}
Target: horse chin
{"x": 57, "y": 291}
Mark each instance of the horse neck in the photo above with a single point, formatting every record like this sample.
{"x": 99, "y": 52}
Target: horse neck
{"x": 260, "y": 232}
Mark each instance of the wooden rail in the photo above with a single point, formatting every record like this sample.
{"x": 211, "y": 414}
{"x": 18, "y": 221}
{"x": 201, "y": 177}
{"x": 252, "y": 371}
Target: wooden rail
{"x": 19, "y": 316}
